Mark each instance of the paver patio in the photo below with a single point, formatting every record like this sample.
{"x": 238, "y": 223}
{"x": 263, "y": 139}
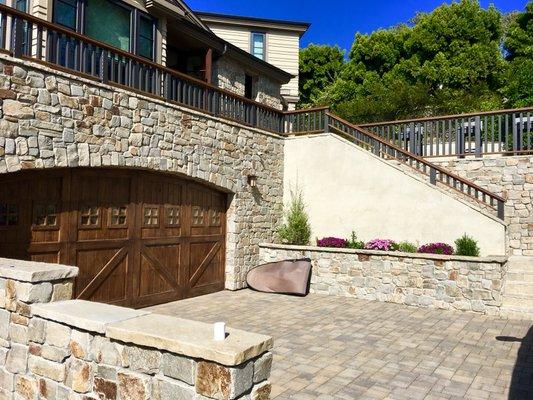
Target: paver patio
{"x": 339, "y": 348}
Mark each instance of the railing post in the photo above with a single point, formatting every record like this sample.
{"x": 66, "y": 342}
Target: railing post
{"x": 412, "y": 138}
{"x": 477, "y": 132}
{"x": 326, "y": 120}
{"x": 104, "y": 67}
{"x": 17, "y": 37}
{"x": 516, "y": 135}
{"x": 501, "y": 209}
{"x": 459, "y": 138}
{"x": 432, "y": 176}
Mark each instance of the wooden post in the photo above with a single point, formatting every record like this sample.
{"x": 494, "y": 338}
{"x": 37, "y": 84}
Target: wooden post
{"x": 209, "y": 65}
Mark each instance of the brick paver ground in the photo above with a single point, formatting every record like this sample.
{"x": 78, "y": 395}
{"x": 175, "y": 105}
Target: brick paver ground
{"x": 338, "y": 348}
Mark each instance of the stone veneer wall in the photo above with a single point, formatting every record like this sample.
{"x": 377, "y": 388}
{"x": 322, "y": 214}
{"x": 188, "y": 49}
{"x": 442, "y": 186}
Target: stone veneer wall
{"x": 230, "y": 75}
{"x": 435, "y": 281}
{"x": 78, "y": 350}
{"x": 512, "y": 178}
{"x": 50, "y": 119}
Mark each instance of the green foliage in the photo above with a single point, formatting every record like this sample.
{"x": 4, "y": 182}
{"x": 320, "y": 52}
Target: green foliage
{"x": 466, "y": 246}
{"x": 319, "y": 68}
{"x": 407, "y": 247}
{"x": 296, "y": 229}
{"x": 518, "y": 44}
{"x": 445, "y": 62}
{"x": 354, "y": 243}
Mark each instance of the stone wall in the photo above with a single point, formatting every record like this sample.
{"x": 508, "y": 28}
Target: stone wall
{"x": 230, "y": 75}
{"x": 78, "y": 350}
{"x": 435, "y": 281}
{"x": 512, "y": 178}
{"x": 50, "y": 119}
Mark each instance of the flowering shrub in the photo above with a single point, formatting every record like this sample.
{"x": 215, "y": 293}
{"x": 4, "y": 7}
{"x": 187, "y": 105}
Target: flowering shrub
{"x": 382, "y": 244}
{"x": 436, "y": 248}
{"x": 332, "y": 242}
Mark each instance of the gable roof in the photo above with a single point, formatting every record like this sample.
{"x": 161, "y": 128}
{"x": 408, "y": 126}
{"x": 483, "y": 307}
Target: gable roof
{"x": 254, "y": 22}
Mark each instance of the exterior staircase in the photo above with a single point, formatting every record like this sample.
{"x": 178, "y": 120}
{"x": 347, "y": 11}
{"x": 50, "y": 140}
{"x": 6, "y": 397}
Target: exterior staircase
{"x": 518, "y": 288}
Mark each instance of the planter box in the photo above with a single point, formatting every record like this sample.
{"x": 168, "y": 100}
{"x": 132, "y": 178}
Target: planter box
{"x": 425, "y": 280}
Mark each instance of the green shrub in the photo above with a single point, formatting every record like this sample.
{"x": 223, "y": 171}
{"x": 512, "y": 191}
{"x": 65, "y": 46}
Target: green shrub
{"x": 296, "y": 228}
{"x": 353, "y": 243}
{"x": 466, "y": 246}
{"x": 407, "y": 247}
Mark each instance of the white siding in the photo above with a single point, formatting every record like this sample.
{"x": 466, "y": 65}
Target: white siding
{"x": 282, "y": 51}
{"x": 237, "y": 36}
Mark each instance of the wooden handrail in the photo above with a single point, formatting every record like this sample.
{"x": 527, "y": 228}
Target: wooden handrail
{"x": 417, "y": 158}
{"x": 307, "y": 110}
{"x": 447, "y": 117}
{"x": 75, "y": 35}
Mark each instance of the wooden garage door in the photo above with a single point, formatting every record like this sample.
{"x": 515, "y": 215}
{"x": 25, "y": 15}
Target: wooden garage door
{"x": 138, "y": 238}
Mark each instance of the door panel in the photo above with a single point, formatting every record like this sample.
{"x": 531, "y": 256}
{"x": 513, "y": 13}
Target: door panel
{"x": 138, "y": 238}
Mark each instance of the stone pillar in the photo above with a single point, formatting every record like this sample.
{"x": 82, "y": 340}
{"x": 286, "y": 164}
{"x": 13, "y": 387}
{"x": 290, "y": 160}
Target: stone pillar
{"x": 23, "y": 284}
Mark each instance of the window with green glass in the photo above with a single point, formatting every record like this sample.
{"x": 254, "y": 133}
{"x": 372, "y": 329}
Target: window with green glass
{"x": 146, "y": 37}
{"x": 108, "y": 22}
{"x": 65, "y": 12}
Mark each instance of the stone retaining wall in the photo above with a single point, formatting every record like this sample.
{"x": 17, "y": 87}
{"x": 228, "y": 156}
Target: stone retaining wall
{"x": 51, "y": 119}
{"x": 512, "y": 178}
{"x": 435, "y": 281}
{"x": 78, "y": 350}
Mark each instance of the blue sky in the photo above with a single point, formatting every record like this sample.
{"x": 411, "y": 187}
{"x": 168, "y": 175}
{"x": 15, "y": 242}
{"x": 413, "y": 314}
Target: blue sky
{"x": 336, "y": 21}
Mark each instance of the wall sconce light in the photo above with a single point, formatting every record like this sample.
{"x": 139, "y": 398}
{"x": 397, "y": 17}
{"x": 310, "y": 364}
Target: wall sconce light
{"x": 252, "y": 180}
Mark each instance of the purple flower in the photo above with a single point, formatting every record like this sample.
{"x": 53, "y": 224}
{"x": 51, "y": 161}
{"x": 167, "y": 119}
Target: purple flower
{"x": 332, "y": 242}
{"x": 382, "y": 244}
{"x": 436, "y": 248}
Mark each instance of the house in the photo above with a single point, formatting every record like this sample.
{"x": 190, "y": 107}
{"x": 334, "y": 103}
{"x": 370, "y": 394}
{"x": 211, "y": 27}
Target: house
{"x": 156, "y": 156}
{"x": 275, "y": 41}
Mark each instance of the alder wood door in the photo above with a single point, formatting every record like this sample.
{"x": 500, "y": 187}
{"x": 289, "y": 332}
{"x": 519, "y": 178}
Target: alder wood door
{"x": 138, "y": 238}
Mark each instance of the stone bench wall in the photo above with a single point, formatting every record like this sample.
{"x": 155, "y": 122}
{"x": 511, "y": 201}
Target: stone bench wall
{"x": 78, "y": 350}
{"x": 435, "y": 281}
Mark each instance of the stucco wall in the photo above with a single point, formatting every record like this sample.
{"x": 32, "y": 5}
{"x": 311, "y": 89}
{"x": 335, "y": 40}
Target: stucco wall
{"x": 512, "y": 178}
{"x": 423, "y": 280}
{"x": 346, "y": 188}
{"x": 229, "y": 75}
{"x": 50, "y": 119}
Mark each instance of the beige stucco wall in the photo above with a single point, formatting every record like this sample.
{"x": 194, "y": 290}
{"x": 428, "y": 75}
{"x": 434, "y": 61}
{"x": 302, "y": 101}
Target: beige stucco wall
{"x": 346, "y": 188}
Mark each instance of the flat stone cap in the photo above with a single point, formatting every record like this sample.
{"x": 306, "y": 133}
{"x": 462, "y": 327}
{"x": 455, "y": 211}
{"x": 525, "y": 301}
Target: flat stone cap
{"x": 33, "y": 271}
{"x": 86, "y": 315}
{"x": 190, "y": 338}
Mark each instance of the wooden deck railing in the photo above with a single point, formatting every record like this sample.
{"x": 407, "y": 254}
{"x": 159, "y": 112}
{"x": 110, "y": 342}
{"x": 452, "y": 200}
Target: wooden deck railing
{"x": 25, "y": 36}
{"x": 477, "y": 134}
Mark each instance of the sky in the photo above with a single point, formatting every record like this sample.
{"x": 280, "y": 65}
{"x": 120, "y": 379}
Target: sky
{"x": 337, "y": 21}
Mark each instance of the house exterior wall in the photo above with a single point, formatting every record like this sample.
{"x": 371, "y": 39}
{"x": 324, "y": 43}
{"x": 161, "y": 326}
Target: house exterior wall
{"x": 282, "y": 51}
{"x": 347, "y": 188}
{"x": 51, "y": 119}
{"x": 229, "y": 75}
{"x": 512, "y": 178}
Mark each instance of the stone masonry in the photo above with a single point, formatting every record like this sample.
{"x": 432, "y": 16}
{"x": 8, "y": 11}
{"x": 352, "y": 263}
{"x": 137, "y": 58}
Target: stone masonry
{"x": 424, "y": 280}
{"x": 50, "y": 119}
{"x": 78, "y": 350}
{"x": 512, "y": 178}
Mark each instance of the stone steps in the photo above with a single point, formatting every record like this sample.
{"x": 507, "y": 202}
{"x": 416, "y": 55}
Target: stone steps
{"x": 518, "y": 288}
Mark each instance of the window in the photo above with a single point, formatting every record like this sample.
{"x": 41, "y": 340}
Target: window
{"x": 9, "y": 214}
{"x": 21, "y": 5}
{"x": 172, "y": 215}
{"x": 151, "y": 216}
{"x": 108, "y": 22}
{"x": 197, "y": 216}
{"x": 90, "y": 216}
{"x": 65, "y": 13}
{"x": 44, "y": 215}
{"x": 118, "y": 216}
{"x": 258, "y": 45}
{"x": 249, "y": 86}
{"x": 145, "y": 44}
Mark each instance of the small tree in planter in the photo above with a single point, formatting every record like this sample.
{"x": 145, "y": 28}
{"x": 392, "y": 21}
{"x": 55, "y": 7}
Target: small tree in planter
{"x": 466, "y": 246}
{"x": 296, "y": 228}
